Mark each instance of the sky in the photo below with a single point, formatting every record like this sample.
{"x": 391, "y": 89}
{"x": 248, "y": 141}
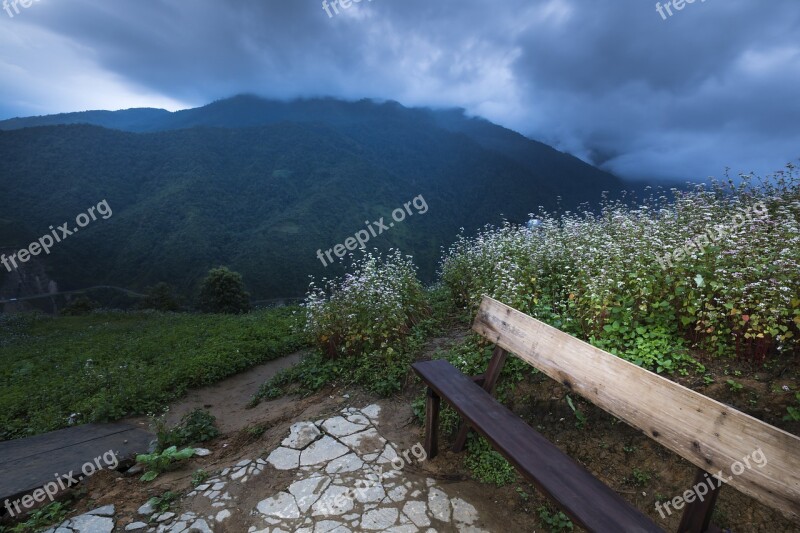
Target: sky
{"x": 638, "y": 92}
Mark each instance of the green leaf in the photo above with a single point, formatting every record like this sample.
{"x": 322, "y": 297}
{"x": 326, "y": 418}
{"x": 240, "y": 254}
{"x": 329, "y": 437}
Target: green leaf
{"x": 149, "y": 476}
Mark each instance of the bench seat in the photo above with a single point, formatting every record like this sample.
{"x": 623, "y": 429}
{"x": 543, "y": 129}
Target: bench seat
{"x": 574, "y": 489}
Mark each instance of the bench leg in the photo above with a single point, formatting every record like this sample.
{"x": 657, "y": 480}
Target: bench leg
{"x": 488, "y": 381}
{"x": 432, "y": 406}
{"x": 461, "y": 438}
{"x": 697, "y": 516}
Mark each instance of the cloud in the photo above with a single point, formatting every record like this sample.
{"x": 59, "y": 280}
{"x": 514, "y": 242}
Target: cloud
{"x": 607, "y": 80}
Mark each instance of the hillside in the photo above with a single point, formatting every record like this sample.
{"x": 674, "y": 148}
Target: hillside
{"x": 261, "y": 185}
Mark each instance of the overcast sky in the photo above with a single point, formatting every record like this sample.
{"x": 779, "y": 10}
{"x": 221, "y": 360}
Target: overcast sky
{"x": 611, "y": 81}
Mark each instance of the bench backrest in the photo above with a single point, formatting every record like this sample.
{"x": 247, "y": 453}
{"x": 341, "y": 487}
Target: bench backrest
{"x": 709, "y": 434}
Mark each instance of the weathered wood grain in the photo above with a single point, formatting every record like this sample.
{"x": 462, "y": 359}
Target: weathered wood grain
{"x": 705, "y": 432}
{"x": 27, "y": 464}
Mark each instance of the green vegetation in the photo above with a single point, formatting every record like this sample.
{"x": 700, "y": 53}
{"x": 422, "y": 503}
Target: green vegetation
{"x": 581, "y": 418}
{"x": 734, "y": 386}
{"x": 223, "y": 292}
{"x": 199, "y": 477}
{"x": 555, "y": 520}
{"x": 161, "y": 504}
{"x": 38, "y": 520}
{"x": 366, "y": 327}
{"x": 794, "y": 412}
{"x": 640, "y": 478}
{"x": 600, "y": 278}
{"x": 195, "y": 427}
{"x": 159, "y": 462}
{"x": 264, "y": 185}
{"x": 108, "y": 365}
{"x": 371, "y": 310}
{"x": 80, "y": 306}
{"x": 160, "y": 297}
{"x": 487, "y": 465}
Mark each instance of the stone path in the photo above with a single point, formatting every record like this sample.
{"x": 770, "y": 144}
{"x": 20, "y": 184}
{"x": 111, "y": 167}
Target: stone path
{"x": 344, "y": 477}
{"x": 97, "y": 521}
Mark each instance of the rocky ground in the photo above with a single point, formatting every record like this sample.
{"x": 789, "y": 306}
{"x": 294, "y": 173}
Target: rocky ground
{"x": 340, "y": 475}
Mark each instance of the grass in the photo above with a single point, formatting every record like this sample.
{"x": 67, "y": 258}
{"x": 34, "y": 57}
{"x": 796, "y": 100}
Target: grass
{"x": 108, "y": 365}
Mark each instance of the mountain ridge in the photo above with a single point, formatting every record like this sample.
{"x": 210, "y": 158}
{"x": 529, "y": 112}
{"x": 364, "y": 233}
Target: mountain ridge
{"x": 261, "y": 185}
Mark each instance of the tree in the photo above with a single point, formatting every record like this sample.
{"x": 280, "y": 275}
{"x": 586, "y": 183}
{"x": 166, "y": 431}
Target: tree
{"x": 223, "y": 292}
{"x": 80, "y": 306}
{"x": 160, "y": 297}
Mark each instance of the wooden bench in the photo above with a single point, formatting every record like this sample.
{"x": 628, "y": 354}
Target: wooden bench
{"x": 709, "y": 434}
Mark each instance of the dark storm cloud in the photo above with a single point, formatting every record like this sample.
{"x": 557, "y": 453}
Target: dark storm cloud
{"x": 608, "y": 80}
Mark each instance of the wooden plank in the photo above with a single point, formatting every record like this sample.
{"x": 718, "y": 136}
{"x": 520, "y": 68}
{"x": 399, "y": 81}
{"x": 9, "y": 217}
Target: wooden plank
{"x": 709, "y": 434}
{"x": 584, "y": 498}
{"x": 25, "y": 474}
{"x": 13, "y": 450}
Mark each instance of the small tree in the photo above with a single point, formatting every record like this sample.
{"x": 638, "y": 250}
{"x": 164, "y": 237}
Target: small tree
{"x": 223, "y": 292}
{"x": 160, "y": 297}
{"x": 82, "y": 305}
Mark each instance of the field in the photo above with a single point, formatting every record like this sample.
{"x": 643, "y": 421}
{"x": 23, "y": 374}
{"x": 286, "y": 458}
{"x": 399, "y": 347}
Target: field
{"x": 107, "y": 365}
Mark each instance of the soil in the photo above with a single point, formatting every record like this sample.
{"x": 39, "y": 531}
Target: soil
{"x": 609, "y": 449}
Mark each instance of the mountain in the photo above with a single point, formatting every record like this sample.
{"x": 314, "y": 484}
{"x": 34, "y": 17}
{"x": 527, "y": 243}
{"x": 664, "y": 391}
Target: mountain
{"x": 261, "y": 185}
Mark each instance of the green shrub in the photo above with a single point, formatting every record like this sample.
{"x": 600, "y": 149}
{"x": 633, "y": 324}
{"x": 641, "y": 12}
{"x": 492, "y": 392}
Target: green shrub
{"x": 80, "y": 306}
{"x": 366, "y": 327}
{"x": 222, "y": 291}
{"x": 160, "y": 297}
{"x": 370, "y": 310}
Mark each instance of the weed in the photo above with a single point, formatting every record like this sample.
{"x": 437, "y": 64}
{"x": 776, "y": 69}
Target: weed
{"x": 556, "y": 521}
{"x": 162, "y": 503}
{"x": 794, "y": 412}
{"x": 159, "y": 462}
{"x": 486, "y": 465}
{"x": 52, "y": 513}
{"x": 640, "y": 478}
{"x": 199, "y": 477}
{"x": 196, "y": 426}
{"x": 734, "y": 386}
{"x": 578, "y": 414}
{"x": 256, "y": 431}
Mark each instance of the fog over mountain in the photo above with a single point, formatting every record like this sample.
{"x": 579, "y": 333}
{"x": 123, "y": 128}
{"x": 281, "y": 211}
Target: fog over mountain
{"x": 615, "y": 83}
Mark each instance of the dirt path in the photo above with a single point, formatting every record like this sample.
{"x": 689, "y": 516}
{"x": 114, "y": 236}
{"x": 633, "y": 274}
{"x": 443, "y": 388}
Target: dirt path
{"x": 227, "y": 400}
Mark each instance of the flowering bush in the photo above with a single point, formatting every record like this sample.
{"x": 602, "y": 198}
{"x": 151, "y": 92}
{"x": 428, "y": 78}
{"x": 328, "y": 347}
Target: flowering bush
{"x": 372, "y": 309}
{"x": 367, "y": 326}
{"x": 716, "y": 267}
